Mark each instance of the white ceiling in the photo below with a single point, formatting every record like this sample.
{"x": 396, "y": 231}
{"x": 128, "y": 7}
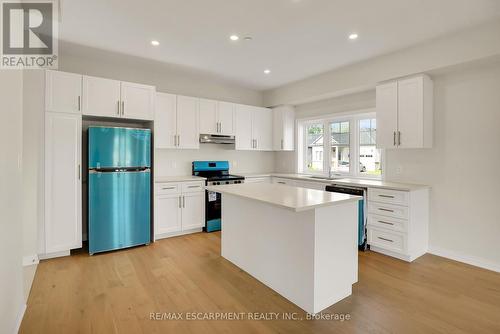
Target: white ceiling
{"x": 294, "y": 38}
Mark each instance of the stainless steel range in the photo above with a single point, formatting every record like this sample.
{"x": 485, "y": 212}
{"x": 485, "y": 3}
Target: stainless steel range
{"x": 216, "y": 173}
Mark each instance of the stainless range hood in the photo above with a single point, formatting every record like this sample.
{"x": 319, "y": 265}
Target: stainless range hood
{"x": 216, "y": 139}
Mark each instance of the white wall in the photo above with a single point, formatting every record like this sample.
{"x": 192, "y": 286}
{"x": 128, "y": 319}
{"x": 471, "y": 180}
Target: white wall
{"x": 462, "y": 167}
{"x": 11, "y": 239}
{"x": 470, "y": 45}
{"x": 167, "y": 78}
{"x": 178, "y": 162}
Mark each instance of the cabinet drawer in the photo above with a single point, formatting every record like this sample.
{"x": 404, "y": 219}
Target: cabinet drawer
{"x": 389, "y": 196}
{"x": 392, "y": 241}
{"x": 167, "y": 188}
{"x": 388, "y": 210}
{"x": 388, "y": 223}
{"x": 189, "y": 187}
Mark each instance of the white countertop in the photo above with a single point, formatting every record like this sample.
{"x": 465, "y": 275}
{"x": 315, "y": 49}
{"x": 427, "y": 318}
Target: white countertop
{"x": 293, "y": 198}
{"x": 182, "y": 178}
{"x": 368, "y": 183}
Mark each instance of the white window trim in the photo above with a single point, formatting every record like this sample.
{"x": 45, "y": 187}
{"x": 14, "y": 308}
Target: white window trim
{"x": 353, "y": 117}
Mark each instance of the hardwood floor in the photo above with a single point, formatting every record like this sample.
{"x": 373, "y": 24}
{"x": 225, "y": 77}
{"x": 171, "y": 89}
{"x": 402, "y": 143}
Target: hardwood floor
{"x": 116, "y": 292}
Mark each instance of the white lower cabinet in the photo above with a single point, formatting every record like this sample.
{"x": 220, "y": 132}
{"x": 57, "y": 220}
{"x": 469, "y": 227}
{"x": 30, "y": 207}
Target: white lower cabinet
{"x": 63, "y": 185}
{"x": 179, "y": 208}
{"x": 398, "y": 222}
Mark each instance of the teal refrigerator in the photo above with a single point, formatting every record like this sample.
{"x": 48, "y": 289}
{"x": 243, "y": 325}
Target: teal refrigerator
{"x": 119, "y": 197}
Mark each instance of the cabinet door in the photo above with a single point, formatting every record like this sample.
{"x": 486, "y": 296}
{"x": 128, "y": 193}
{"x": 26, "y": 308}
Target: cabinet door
{"x": 167, "y": 214}
{"x": 387, "y": 114}
{"x": 137, "y": 101}
{"x": 243, "y": 127}
{"x": 63, "y": 92}
{"x": 187, "y": 122}
{"x": 278, "y": 129}
{"x": 288, "y": 120}
{"x": 225, "y": 117}
{"x": 262, "y": 129}
{"x": 165, "y": 120}
{"x": 101, "y": 97}
{"x": 63, "y": 187}
{"x": 193, "y": 210}
{"x": 208, "y": 117}
{"x": 411, "y": 112}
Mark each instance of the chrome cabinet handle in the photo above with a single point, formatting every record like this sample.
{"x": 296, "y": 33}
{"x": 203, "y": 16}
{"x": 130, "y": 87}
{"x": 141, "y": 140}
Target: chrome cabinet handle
{"x": 382, "y": 209}
{"x": 118, "y": 109}
{"x": 166, "y": 188}
{"x": 178, "y": 140}
{"x": 193, "y": 186}
{"x": 79, "y": 103}
{"x": 280, "y": 182}
{"x": 282, "y": 144}
{"x": 180, "y": 202}
{"x": 399, "y": 138}
{"x": 79, "y": 172}
{"x": 394, "y": 138}
{"x": 183, "y": 201}
{"x": 383, "y": 222}
{"x": 123, "y": 108}
{"x": 385, "y": 239}
{"x": 386, "y": 196}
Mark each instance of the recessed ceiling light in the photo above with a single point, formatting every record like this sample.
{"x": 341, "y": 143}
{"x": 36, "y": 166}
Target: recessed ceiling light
{"x": 353, "y": 36}
{"x": 234, "y": 37}
{"x": 267, "y": 71}
{"x": 155, "y": 43}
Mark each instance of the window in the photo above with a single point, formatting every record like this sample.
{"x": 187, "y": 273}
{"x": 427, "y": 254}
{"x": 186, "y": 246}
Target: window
{"x": 340, "y": 141}
{"x": 314, "y": 147}
{"x": 340, "y": 146}
{"x": 369, "y": 156}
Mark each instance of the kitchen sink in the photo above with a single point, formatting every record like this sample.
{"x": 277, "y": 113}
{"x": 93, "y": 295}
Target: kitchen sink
{"x": 317, "y": 177}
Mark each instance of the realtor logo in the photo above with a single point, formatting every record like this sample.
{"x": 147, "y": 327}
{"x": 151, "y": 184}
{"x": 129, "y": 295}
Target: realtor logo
{"x": 29, "y": 34}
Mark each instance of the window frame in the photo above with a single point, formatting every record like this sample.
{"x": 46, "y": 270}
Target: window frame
{"x": 354, "y": 119}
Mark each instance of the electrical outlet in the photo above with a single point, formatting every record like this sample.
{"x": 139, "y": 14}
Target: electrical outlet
{"x": 399, "y": 170}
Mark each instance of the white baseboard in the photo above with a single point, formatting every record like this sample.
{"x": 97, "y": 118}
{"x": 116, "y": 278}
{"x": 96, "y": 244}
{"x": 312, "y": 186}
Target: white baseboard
{"x": 177, "y": 234}
{"x": 20, "y": 316}
{"x": 54, "y": 255}
{"x": 29, "y": 260}
{"x": 472, "y": 260}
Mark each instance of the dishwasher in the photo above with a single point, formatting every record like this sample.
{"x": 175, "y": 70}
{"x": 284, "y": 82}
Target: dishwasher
{"x": 358, "y": 191}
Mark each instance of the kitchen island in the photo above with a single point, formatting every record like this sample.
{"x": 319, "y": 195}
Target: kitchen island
{"x": 300, "y": 242}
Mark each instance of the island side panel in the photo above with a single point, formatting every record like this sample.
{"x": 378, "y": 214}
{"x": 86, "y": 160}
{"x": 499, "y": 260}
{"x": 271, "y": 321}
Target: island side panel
{"x": 336, "y": 253}
{"x": 273, "y": 244}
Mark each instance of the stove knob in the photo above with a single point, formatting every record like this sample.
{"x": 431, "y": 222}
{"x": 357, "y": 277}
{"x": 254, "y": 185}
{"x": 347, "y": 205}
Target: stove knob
{"x": 238, "y": 181}
{"x": 227, "y": 182}
{"x": 217, "y": 183}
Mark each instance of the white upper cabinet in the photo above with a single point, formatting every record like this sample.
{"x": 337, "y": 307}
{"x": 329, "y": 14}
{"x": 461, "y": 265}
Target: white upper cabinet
{"x": 63, "y": 92}
{"x": 283, "y": 128}
{"x": 262, "y": 129}
{"x": 101, "y": 97}
{"x": 113, "y": 98}
{"x": 63, "y": 185}
{"x": 243, "y": 127}
{"x": 225, "y": 118}
{"x": 209, "y": 123}
{"x": 387, "y": 114}
{"x": 137, "y": 101}
{"x": 188, "y": 133}
{"x": 216, "y": 117}
{"x": 253, "y": 128}
{"x": 404, "y": 113}
{"x": 165, "y": 124}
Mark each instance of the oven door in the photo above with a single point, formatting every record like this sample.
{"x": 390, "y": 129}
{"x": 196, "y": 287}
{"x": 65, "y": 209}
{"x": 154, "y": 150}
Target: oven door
{"x": 213, "y": 204}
